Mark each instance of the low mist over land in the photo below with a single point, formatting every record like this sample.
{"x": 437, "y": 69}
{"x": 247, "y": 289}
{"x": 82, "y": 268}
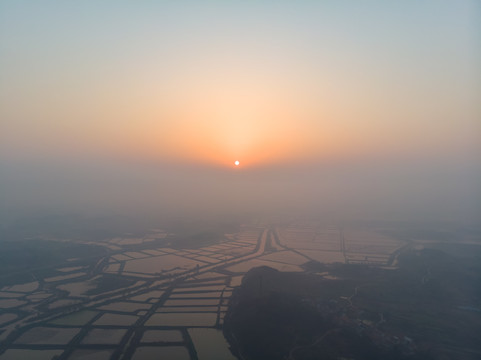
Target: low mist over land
{"x": 426, "y": 190}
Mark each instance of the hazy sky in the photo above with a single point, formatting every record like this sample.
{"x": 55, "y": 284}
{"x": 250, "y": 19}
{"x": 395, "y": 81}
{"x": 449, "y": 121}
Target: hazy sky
{"x": 273, "y": 84}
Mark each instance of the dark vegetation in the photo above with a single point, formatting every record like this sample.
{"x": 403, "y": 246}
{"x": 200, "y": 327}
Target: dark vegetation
{"x": 268, "y": 327}
{"x": 429, "y": 308}
{"x": 20, "y": 260}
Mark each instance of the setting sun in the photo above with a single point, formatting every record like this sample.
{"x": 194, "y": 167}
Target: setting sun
{"x": 237, "y": 163}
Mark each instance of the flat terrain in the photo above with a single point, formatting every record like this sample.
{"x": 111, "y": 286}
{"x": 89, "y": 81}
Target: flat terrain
{"x": 136, "y": 296}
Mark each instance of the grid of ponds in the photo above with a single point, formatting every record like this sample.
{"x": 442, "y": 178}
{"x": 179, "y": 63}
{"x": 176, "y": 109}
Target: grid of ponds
{"x": 170, "y": 303}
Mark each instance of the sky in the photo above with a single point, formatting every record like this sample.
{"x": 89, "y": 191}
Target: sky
{"x": 146, "y": 105}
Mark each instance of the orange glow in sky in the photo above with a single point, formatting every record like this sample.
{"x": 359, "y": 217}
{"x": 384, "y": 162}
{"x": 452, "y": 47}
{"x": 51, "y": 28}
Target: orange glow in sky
{"x": 304, "y": 82}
